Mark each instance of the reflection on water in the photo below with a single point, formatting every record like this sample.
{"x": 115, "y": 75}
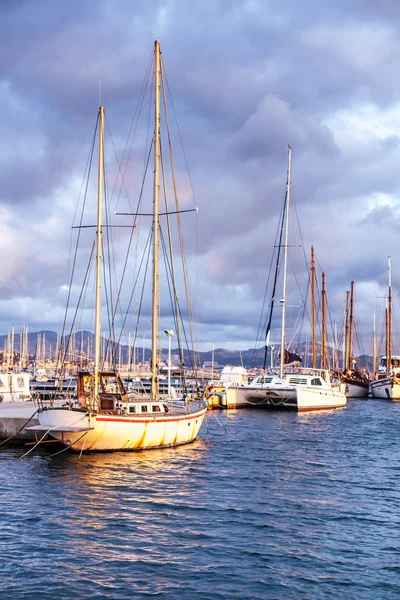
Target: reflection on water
{"x": 273, "y": 505}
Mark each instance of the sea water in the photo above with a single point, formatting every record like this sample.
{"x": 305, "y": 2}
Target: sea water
{"x": 261, "y": 505}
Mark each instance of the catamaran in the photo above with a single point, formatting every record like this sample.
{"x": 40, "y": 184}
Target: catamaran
{"x": 291, "y": 387}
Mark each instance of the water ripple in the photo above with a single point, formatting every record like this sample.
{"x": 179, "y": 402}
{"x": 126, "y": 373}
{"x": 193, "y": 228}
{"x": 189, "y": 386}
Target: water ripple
{"x": 277, "y": 506}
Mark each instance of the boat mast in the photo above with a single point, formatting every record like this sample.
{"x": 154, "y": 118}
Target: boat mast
{"x": 323, "y": 316}
{"x": 374, "y": 350}
{"x": 346, "y": 333}
{"x": 283, "y": 301}
{"x": 99, "y": 235}
{"x": 156, "y": 223}
{"x": 351, "y": 325}
{"x": 389, "y": 340}
{"x": 313, "y": 328}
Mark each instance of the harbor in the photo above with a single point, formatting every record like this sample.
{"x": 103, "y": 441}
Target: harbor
{"x": 199, "y": 300}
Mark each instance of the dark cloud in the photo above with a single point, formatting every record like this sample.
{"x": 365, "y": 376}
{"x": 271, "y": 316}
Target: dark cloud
{"x": 246, "y": 78}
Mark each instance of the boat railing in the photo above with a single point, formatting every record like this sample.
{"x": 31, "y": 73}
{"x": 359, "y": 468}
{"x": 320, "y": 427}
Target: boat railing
{"x": 296, "y": 371}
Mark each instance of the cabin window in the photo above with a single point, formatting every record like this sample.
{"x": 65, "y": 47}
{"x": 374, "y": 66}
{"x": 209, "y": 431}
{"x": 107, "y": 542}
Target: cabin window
{"x": 144, "y": 409}
{"x": 316, "y": 381}
{"x": 156, "y": 408}
{"x": 132, "y": 409}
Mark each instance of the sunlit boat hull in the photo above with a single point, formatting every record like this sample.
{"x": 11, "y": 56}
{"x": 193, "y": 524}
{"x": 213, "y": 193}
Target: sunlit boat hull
{"x": 385, "y": 389}
{"x": 80, "y": 432}
{"x": 299, "y": 399}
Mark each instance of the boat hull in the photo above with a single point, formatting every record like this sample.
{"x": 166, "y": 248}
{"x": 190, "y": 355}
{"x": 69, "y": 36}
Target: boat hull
{"x": 300, "y": 399}
{"x": 98, "y": 433}
{"x": 385, "y": 389}
{"x": 314, "y": 399}
{"x": 355, "y": 389}
{"x": 14, "y": 416}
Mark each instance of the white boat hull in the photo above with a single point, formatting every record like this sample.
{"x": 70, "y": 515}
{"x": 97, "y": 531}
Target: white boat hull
{"x": 354, "y": 390}
{"x": 296, "y": 398}
{"x": 14, "y": 416}
{"x": 80, "y": 432}
{"x": 385, "y": 389}
{"x": 315, "y": 399}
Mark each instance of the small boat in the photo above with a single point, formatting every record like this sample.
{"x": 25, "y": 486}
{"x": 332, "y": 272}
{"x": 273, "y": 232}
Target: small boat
{"x": 107, "y": 417}
{"x": 216, "y": 389}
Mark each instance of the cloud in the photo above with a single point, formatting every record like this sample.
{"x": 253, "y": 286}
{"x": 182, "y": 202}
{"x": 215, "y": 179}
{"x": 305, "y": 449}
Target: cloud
{"x": 246, "y": 78}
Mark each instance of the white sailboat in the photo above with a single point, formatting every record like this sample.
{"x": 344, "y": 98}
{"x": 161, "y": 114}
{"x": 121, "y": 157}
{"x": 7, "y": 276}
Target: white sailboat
{"x": 291, "y": 388}
{"x": 107, "y": 417}
{"x": 387, "y": 386}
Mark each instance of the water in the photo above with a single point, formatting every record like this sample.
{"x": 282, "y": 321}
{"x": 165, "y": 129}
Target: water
{"x": 277, "y": 506}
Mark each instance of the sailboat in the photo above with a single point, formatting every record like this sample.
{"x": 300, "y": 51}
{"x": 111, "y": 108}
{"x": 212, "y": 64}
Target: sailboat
{"x": 106, "y": 417}
{"x": 293, "y": 387}
{"x": 356, "y": 383}
{"x": 387, "y": 386}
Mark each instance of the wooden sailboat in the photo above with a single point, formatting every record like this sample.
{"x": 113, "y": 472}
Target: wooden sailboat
{"x": 387, "y": 386}
{"x": 355, "y": 381}
{"x": 296, "y": 388}
{"x": 107, "y": 417}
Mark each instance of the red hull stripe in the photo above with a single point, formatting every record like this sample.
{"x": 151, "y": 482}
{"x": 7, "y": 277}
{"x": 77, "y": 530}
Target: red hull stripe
{"x": 146, "y": 420}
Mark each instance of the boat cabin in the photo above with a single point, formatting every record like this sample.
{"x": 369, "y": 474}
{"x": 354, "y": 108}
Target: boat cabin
{"x": 395, "y": 364}
{"x": 113, "y": 397}
{"x": 306, "y": 379}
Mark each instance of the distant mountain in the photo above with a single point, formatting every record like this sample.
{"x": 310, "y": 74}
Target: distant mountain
{"x": 248, "y": 358}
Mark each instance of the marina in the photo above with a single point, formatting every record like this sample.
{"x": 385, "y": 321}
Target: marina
{"x": 199, "y": 343}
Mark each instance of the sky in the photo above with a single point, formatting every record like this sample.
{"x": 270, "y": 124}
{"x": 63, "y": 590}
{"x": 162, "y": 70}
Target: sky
{"x": 247, "y": 78}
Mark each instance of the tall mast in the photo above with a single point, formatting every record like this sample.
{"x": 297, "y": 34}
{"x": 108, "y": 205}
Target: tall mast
{"x": 26, "y": 346}
{"x": 99, "y": 236}
{"x": 346, "y": 333}
{"x": 323, "y": 316}
{"x": 12, "y": 348}
{"x": 389, "y": 341}
{"x": 351, "y": 325}
{"x": 156, "y": 223}
{"x": 283, "y": 301}
{"x": 313, "y": 328}
{"x": 374, "y": 350}
{"x": 335, "y": 347}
